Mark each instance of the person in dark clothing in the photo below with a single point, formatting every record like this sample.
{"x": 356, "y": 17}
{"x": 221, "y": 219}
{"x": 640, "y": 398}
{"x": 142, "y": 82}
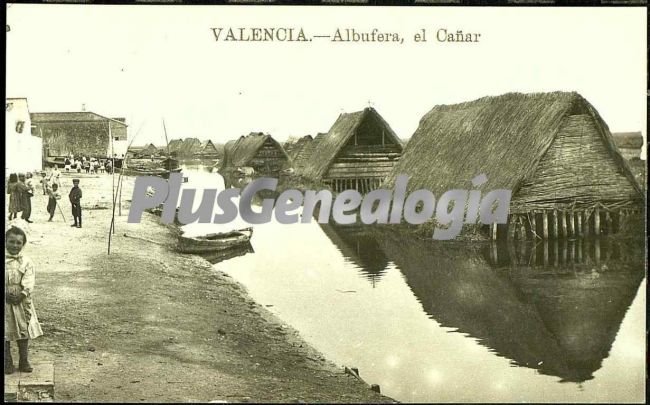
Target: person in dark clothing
{"x": 26, "y": 193}
{"x": 54, "y": 195}
{"x": 75, "y": 201}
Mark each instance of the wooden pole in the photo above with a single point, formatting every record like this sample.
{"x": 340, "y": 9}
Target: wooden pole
{"x": 572, "y": 228}
{"x": 597, "y": 250}
{"x": 533, "y": 224}
{"x": 545, "y": 224}
{"x": 545, "y": 242}
{"x": 597, "y": 221}
{"x": 554, "y": 216}
{"x": 585, "y": 223}
{"x": 579, "y": 223}
{"x": 511, "y": 227}
{"x": 563, "y": 223}
{"x": 609, "y": 223}
{"x": 522, "y": 227}
{"x": 572, "y": 252}
{"x": 556, "y": 253}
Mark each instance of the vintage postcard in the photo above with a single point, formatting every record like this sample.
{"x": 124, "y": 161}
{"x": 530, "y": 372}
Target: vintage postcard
{"x": 325, "y": 204}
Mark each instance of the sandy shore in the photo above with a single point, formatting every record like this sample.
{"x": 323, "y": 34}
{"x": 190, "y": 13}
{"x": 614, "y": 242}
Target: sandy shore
{"x": 148, "y": 324}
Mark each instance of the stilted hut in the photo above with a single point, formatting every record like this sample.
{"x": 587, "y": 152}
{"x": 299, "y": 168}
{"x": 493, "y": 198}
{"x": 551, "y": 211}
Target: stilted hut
{"x": 258, "y": 151}
{"x": 552, "y": 150}
{"x": 357, "y": 153}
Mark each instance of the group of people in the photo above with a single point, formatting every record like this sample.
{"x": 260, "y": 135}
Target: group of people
{"x": 21, "y": 188}
{"x": 90, "y": 165}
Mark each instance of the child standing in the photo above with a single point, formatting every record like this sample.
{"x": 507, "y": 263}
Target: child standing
{"x": 21, "y": 323}
{"x": 75, "y": 201}
{"x": 15, "y": 196}
{"x": 44, "y": 182}
{"x": 54, "y": 195}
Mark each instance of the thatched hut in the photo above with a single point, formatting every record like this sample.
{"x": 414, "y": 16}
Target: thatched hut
{"x": 552, "y": 150}
{"x": 294, "y": 148}
{"x": 258, "y": 151}
{"x": 629, "y": 144}
{"x": 190, "y": 148}
{"x": 174, "y": 147}
{"x": 357, "y": 153}
{"x": 148, "y": 151}
{"x": 208, "y": 150}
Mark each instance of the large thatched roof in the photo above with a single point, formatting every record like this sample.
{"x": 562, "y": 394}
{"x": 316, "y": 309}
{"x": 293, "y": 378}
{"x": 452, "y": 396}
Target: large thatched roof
{"x": 190, "y": 146}
{"x": 628, "y": 140}
{"x": 239, "y": 152}
{"x": 343, "y": 129}
{"x": 175, "y": 145}
{"x": 504, "y": 137}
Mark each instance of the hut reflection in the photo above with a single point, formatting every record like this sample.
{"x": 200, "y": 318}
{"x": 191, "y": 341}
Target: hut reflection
{"x": 358, "y": 244}
{"x": 560, "y": 320}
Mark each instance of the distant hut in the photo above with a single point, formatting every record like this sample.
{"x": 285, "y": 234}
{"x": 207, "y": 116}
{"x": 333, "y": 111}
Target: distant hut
{"x": 175, "y": 147}
{"x": 552, "y": 150}
{"x": 357, "y": 153}
{"x": 301, "y": 158}
{"x": 148, "y": 151}
{"x": 258, "y": 151}
{"x": 296, "y": 147}
{"x": 629, "y": 144}
{"x": 190, "y": 148}
{"x": 208, "y": 150}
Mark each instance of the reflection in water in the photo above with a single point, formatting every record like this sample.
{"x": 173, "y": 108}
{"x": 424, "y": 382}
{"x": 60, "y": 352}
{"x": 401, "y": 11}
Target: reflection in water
{"x": 520, "y": 319}
{"x": 360, "y": 247}
{"x": 560, "y": 320}
{"x": 222, "y": 255}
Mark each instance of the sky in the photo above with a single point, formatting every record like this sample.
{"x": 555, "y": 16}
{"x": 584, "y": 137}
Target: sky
{"x": 149, "y": 63}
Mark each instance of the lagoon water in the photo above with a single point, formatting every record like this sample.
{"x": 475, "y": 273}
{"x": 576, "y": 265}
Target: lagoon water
{"x": 439, "y": 321}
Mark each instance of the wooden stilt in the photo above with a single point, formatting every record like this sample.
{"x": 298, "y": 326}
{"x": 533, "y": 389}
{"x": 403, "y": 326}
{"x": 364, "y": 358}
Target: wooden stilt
{"x": 564, "y": 250}
{"x": 579, "y": 223}
{"x": 511, "y": 227}
{"x": 597, "y": 221}
{"x": 572, "y": 252}
{"x": 554, "y": 230}
{"x": 522, "y": 228}
{"x": 544, "y": 225}
{"x": 533, "y": 224}
{"x": 572, "y": 227}
{"x": 545, "y": 242}
{"x": 579, "y": 251}
{"x": 522, "y": 253}
{"x": 556, "y": 253}
{"x": 533, "y": 253}
{"x": 493, "y": 253}
{"x": 563, "y": 224}
{"x": 609, "y": 224}
{"x": 597, "y": 250}
{"x": 585, "y": 223}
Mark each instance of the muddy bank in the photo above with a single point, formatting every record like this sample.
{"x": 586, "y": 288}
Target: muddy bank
{"x": 148, "y": 324}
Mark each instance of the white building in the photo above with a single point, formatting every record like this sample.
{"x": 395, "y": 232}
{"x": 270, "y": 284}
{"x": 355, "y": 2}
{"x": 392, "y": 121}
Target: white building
{"x": 23, "y": 152}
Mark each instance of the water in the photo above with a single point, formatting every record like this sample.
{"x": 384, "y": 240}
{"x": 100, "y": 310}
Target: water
{"x": 440, "y": 322}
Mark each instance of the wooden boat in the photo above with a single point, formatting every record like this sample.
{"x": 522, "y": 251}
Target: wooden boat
{"x": 152, "y": 172}
{"x": 214, "y": 241}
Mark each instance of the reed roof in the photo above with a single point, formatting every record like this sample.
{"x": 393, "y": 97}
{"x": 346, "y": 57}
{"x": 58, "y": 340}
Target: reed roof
{"x": 504, "y": 137}
{"x": 346, "y": 125}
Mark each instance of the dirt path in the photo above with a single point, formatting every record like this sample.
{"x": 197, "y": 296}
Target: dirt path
{"x": 149, "y": 324}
